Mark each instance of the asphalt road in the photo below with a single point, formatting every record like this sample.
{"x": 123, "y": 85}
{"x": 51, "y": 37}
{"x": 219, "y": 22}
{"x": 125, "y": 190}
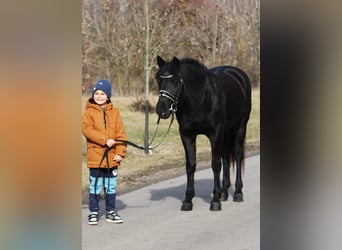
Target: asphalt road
{"x": 153, "y": 220}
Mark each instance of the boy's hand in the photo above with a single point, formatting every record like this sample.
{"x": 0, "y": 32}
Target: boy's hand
{"x": 117, "y": 158}
{"x": 110, "y": 142}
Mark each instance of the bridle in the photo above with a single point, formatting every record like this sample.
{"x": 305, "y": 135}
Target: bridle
{"x": 174, "y": 100}
{"x": 173, "y": 97}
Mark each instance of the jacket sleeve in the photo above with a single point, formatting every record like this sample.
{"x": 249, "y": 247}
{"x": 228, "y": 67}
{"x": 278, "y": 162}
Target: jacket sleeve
{"x": 90, "y": 133}
{"x": 120, "y": 148}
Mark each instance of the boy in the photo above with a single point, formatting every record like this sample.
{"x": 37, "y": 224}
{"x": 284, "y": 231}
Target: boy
{"x": 102, "y": 125}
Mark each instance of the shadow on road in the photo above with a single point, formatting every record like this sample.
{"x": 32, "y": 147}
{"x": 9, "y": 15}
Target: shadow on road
{"x": 203, "y": 190}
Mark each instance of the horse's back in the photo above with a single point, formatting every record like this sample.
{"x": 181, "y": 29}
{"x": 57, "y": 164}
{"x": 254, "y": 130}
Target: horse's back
{"x": 235, "y": 84}
{"x": 237, "y": 73}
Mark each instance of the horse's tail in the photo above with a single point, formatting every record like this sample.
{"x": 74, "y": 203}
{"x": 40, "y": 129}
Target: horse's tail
{"x": 232, "y": 158}
{"x": 240, "y": 135}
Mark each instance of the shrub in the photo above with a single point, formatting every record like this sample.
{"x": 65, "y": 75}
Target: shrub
{"x": 139, "y": 106}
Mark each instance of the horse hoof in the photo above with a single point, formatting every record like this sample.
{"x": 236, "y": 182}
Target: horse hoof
{"x": 215, "y": 206}
{"x": 224, "y": 197}
{"x": 238, "y": 198}
{"x": 186, "y": 207}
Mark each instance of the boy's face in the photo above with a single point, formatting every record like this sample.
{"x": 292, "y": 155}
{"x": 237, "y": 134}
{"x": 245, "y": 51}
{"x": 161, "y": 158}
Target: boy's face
{"x": 100, "y": 97}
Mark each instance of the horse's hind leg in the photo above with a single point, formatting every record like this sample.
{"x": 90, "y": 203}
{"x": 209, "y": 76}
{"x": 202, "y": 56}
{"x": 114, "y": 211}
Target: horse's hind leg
{"x": 216, "y": 147}
{"x": 226, "y": 177}
{"x": 215, "y": 204}
{"x": 239, "y": 157}
{"x": 226, "y": 161}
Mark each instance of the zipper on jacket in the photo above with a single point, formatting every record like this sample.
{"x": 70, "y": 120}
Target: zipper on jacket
{"x": 104, "y": 119}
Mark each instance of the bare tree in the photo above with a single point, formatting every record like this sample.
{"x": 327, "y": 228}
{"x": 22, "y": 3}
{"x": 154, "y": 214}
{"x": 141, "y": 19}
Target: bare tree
{"x": 215, "y": 32}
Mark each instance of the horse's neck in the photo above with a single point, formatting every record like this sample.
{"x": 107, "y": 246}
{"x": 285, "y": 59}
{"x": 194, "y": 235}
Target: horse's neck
{"x": 194, "y": 93}
{"x": 195, "y": 86}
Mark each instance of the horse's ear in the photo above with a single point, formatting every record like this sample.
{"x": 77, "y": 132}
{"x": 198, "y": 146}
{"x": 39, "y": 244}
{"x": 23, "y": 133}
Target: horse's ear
{"x": 176, "y": 61}
{"x": 160, "y": 61}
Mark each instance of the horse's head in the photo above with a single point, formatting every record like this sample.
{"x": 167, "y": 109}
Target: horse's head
{"x": 169, "y": 84}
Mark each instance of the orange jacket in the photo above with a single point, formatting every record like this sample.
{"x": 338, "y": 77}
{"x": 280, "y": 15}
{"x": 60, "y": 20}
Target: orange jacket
{"x": 98, "y": 129}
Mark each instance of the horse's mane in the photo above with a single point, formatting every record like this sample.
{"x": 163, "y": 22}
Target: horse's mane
{"x": 192, "y": 61}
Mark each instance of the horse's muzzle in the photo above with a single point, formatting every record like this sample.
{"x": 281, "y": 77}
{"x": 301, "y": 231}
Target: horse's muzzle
{"x": 162, "y": 110}
{"x": 164, "y": 115}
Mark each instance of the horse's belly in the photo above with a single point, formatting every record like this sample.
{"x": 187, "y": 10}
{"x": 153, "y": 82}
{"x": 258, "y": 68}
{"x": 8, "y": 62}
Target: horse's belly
{"x": 188, "y": 126}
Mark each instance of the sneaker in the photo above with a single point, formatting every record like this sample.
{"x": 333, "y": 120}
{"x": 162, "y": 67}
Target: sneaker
{"x": 92, "y": 218}
{"x": 113, "y": 217}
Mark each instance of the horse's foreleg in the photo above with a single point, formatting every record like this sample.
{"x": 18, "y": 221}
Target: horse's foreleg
{"x": 190, "y": 155}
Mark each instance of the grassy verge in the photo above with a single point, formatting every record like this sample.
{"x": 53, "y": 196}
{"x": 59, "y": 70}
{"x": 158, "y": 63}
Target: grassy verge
{"x": 168, "y": 159}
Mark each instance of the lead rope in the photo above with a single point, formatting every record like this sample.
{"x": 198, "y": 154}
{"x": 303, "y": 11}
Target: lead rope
{"x": 105, "y": 154}
{"x": 154, "y": 136}
{"x": 168, "y": 130}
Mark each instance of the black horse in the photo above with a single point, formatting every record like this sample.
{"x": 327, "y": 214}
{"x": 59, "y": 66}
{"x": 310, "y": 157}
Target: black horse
{"x": 215, "y": 102}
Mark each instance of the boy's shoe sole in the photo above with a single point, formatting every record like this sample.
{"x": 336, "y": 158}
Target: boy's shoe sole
{"x": 113, "y": 217}
{"x": 92, "y": 223}
{"x": 115, "y": 221}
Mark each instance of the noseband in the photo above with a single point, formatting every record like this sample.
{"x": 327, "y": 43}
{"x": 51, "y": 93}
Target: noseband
{"x": 168, "y": 95}
{"x": 172, "y": 97}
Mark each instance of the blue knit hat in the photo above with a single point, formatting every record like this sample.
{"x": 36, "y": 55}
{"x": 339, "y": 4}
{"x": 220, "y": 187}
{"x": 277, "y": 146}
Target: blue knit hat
{"x": 103, "y": 85}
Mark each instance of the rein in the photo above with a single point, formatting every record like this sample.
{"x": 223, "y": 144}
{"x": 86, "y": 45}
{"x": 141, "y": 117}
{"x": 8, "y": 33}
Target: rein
{"x": 149, "y": 147}
{"x": 105, "y": 153}
{"x": 173, "y": 109}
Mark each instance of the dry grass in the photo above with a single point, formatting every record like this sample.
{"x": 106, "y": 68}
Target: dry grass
{"x": 169, "y": 156}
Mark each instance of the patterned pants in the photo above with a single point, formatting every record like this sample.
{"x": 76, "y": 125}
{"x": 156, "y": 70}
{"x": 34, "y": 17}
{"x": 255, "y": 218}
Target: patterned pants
{"x": 102, "y": 178}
